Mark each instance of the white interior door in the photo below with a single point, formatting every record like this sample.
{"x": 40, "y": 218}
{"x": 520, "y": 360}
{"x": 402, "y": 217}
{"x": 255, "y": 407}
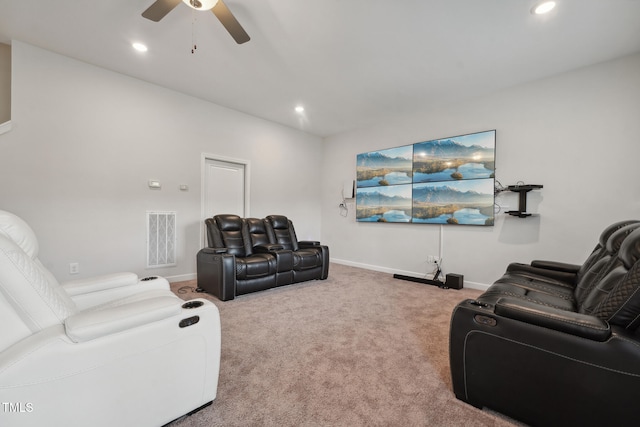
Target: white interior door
{"x": 225, "y": 188}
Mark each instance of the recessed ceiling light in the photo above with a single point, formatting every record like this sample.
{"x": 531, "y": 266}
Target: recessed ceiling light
{"x": 299, "y": 109}
{"x": 543, "y": 7}
{"x": 139, "y": 47}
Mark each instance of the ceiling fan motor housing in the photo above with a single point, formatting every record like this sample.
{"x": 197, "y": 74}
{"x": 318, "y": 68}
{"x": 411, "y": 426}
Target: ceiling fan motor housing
{"x": 201, "y": 4}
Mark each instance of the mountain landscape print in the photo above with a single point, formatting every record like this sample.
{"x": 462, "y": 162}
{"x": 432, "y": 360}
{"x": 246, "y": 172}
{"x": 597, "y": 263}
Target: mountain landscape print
{"x": 441, "y": 181}
{"x": 460, "y": 202}
{"x": 385, "y": 167}
{"x": 456, "y": 158}
{"x": 384, "y": 204}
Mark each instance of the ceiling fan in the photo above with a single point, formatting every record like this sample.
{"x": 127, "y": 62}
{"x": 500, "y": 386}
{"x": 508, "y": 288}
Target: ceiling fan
{"x": 160, "y": 8}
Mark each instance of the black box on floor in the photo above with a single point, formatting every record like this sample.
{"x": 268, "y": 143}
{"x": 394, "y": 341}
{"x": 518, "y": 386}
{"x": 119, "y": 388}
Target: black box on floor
{"x": 454, "y": 281}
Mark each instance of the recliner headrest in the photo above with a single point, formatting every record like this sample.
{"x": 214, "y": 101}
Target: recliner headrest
{"x": 228, "y": 222}
{"x": 19, "y": 231}
{"x": 618, "y": 237}
{"x": 256, "y": 226}
{"x": 630, "y": 249}
{"x": 278, "y": 221}
{"x": 604, "y": 236}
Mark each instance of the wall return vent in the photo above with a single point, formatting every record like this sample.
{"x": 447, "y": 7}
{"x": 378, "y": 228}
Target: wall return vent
{"x": 161, "y": 239}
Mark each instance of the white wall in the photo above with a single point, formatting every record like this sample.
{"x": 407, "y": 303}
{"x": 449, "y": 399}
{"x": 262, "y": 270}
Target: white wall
{"x": 5, "y": 83}
{"x": 85, "y": 141}
{"x": 575, "y": 133}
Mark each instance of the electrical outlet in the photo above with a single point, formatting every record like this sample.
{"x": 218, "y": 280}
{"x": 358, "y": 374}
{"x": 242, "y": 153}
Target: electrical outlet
{"x": 433, "y": 259}
{"x": 74, "y": 268}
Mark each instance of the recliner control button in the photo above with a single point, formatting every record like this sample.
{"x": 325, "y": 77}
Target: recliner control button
{"x": 485, "y": 320}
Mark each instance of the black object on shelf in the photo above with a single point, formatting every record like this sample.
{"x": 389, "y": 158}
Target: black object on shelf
{"x": 522, "y": 202}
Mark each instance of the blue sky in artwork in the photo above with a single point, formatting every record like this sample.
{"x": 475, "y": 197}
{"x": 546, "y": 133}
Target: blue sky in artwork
{"x": 483, "y": 186}
{"x": 404, "y": 152}
{"x": 484, "y": 139}
{"x": 391, "y": 190}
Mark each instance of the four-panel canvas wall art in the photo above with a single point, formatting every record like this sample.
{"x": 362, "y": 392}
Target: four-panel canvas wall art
{"x": 442, "y": 181}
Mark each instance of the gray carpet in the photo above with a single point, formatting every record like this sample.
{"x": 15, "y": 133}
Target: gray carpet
{"x": 358, "y": 349}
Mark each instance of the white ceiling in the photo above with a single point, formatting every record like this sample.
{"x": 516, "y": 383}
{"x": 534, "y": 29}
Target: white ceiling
{"x": 351, "y": 63}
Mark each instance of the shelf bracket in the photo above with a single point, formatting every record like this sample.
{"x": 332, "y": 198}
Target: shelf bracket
{"x": 522, "y": 191}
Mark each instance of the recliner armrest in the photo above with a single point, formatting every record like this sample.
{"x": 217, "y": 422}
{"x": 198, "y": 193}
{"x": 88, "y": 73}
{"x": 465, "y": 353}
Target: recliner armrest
{"x": 557, "y": 266}
{"x": 268, "y": 247}
{"x": 95, "y": 291}
{"x": 578, "y": 324}
{"x": 308, "y": 243}
{"x": 99, "y": 283}
{"x": 91, "y": 324}
{"x": 214, "y": 250}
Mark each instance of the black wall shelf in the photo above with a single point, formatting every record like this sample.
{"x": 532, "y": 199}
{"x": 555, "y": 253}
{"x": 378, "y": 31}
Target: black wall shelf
{"x": 522, "y": 202}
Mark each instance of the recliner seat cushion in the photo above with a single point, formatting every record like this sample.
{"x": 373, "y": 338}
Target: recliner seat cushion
{"x": 258, "y": 265}
{"x": 499, "y": 290}
{"x": 304, "y": 259}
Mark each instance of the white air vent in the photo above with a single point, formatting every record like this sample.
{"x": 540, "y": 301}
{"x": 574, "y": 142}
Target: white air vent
{"x": 161, "y": 239}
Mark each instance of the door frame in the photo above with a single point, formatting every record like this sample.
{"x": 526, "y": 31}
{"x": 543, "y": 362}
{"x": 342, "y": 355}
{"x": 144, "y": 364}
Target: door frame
{"x": 247, "y": 187}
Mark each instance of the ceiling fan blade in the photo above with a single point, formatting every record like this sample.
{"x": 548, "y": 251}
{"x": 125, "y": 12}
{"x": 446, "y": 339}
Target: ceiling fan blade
{"x": 159, "y": 9}
{"x": 229, "y": 22}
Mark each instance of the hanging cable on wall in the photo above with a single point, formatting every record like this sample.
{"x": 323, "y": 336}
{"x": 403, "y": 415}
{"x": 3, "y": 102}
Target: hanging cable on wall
{"x": 344, "y": 209}
{"x": 497, "y": 189}
{"x": 349, "y": 189}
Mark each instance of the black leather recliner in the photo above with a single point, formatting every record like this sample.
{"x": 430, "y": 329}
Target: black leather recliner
{"x": 310, "y": 258}
{"x": 230, "y": 266}
{"x": 259, "y": 240}
{"x": 555, "y": 344}
{"x": 244, "y": 255}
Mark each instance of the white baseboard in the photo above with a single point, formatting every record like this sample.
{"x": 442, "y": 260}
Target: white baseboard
{"x": 467, "y": 284}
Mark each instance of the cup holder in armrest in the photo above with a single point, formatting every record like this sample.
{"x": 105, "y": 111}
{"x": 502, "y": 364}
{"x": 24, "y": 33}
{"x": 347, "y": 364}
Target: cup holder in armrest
{"x": 192, "y": 304}
{"x": 189, "y": 321}
{"x": 146, "y": 279}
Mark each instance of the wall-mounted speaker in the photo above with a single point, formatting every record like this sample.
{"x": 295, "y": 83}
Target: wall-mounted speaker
{"x": 454, "y": 281}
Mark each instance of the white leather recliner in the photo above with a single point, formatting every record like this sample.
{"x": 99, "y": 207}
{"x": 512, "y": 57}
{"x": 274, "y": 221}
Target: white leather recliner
{"x": 107, "y": 351}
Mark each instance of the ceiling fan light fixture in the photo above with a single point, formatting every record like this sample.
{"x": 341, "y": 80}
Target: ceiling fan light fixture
{"x": 200, "y": 4}
{"x": 543, "y": 7}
